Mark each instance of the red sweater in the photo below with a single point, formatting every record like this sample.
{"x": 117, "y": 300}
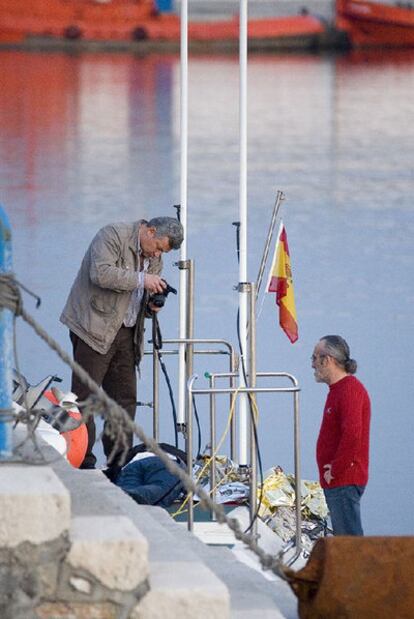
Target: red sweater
{"x": 344, "y": 435}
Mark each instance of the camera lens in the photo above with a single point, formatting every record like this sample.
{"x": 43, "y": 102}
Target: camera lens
{"x": 158, "y": 300}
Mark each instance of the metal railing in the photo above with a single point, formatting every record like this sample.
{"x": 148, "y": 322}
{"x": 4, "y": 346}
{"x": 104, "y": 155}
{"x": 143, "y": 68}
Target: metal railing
{"x": 234, "y": 392}
{"x": 233, "y": 366}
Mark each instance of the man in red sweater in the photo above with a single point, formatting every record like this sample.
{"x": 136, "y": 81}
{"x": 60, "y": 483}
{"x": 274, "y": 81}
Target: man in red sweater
{"x": 342, "y": 450}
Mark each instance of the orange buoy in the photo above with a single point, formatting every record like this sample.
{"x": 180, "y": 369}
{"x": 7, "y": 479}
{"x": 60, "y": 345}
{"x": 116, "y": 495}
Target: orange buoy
{"x": 77, "y": 439}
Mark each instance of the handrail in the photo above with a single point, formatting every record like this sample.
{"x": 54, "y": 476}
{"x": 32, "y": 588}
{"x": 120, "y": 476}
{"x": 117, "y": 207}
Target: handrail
{"x": 295, "y": 390}
{"x": 233, "y": 363}
{"x": 187, "y": 429}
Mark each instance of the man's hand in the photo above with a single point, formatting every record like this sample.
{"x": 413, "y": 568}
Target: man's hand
{"x": 327, "y": 474}
{"x": 153, "y": 283}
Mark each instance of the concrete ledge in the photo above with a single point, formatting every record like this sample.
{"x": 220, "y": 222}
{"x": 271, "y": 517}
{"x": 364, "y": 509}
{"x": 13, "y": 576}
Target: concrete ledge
{"x": 251, "y": 595}
{"x": 34, "y": 505}
{"x": 185, "y": 590}
{"x": 111, "y": 549}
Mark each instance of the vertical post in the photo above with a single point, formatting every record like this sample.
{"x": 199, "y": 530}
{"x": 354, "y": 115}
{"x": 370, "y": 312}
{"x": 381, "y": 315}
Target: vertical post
{"x": 190, "y": 319}
{"x": 298, "y": 492}
{"x": 234, "y": 367}
{"x": 189, "y": 334}
{"x": 183, "y": 202}
{"x": 243, "y": 432}
{"x": 155, "y": 395}
{"x": 6, "y": 348}
{"x": 253, "y": 418}
{"x": 212, "y": 443}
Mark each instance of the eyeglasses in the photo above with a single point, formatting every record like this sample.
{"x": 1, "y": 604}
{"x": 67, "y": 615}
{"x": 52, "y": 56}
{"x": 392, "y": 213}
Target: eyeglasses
{"x": 315, "y": 357}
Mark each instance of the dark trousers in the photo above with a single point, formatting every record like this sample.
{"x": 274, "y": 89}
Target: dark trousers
{"x": 115, "y": 372}
{"x": 344, "y": 506}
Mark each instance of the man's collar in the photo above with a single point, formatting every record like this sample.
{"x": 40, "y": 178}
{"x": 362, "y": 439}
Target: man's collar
{"x": 134, "y": 238}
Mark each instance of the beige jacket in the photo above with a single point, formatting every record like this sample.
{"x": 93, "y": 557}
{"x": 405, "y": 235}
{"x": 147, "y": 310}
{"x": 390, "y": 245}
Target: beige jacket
{"x": 101, "y": 292}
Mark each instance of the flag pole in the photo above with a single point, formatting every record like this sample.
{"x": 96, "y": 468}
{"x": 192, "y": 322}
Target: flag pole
{"x": 183, "y": 212}
{"x": 272, "y": 266}
{"x": 278, "y": 202}
{"x": 243, "y": 295}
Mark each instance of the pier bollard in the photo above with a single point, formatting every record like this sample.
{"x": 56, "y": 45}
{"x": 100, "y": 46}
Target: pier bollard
{"x": 6, "y": 347}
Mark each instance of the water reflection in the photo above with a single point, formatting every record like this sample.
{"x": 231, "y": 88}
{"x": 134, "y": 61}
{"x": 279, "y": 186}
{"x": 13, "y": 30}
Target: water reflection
{"x": 55, "y": 139}
{"x": 88, "y": 139}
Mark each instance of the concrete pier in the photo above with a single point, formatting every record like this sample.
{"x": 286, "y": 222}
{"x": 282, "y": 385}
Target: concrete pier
{"x": 74, "y": 546}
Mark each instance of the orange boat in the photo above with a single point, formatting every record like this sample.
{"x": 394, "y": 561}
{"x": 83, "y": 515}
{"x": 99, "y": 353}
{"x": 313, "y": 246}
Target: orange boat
{"x": 371, "y": 24}
{"x": 129, "y": 20}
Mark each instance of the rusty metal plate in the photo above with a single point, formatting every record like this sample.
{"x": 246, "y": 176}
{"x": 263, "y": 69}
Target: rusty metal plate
{"x": 357, "y": 578}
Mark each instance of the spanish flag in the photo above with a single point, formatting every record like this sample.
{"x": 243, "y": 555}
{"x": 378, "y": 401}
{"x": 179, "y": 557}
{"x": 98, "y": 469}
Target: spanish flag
{"x": 280, "y": 282}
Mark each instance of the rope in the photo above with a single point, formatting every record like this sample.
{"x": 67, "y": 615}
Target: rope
{"x": 7, "y": 414}
{"x": 119, "y": 419}
{"x": 10, "y": 296}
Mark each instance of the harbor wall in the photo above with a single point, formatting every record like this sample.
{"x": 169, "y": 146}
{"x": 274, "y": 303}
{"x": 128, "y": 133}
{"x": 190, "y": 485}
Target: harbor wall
{"x": 75, "y": 546}
{"x": 57, "y": 562}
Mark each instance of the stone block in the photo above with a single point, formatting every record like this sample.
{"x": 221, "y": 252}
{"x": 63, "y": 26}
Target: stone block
{"x": 34, "y": 505}
{"x": 111, "y": 549}
{"x": 185, "y": 590}
{"x": 29, "y": 573}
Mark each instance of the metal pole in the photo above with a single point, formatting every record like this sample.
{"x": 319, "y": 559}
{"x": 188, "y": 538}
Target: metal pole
{"x": 183, "y": 201}
{"x": 212, "y": 442}
{"x": 189, "y": 372}
{"x": 155, "y": 395}
{"x": 198, "y": 340}
{"x": 190, "y": 318}
{"x": 297, "y": 475}
{"x": 6, "y": 347}
{"x": 233, "y": 425}
{"x": 246, "y": 390}
{"x": 253, "y": 418}
{"x": 243, "y": 426}
{"x": 279, "y": 197}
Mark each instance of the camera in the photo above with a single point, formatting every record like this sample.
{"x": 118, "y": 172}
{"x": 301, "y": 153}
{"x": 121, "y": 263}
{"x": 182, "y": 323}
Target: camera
{"x": 158, "y": 299}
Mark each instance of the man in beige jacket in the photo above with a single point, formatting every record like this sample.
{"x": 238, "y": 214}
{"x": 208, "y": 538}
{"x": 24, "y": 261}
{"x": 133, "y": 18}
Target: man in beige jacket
{"x": 106, "y": 309}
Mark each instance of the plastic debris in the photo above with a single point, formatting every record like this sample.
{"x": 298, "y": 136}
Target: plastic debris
{"x": 277, "y": 507}
{"x": 276, "y": 500}
{"x": 234, "y": 492}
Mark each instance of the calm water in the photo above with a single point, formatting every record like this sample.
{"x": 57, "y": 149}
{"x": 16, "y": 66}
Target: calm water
{"x": 90, "y": 139}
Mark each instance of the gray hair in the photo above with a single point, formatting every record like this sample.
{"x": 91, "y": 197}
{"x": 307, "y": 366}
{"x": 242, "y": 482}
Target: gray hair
{"x": 336, "y": 347}
{"x": 169, "y": 227}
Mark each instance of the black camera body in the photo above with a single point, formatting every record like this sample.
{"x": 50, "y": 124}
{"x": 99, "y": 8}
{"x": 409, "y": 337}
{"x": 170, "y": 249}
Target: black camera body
{"x": 158, "y": 299}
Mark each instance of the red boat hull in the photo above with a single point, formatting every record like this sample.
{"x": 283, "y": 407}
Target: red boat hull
{"x": 127, "y": 20}
{"x": 371, "y": 24}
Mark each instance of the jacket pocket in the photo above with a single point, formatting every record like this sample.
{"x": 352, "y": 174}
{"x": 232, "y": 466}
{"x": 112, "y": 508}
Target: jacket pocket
{"x": 102, "y": 305}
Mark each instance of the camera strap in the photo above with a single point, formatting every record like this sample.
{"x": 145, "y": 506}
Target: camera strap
{"x": 156, "y": 332}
